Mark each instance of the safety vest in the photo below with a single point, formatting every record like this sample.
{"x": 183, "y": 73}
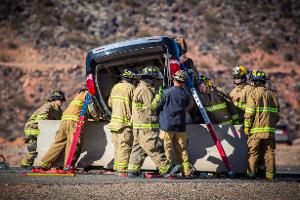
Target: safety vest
{"x": 120, "y": 100}
{"x": 262, "y": 111}
{"x": 144, "y": 104}
{"x": 48, "y": 111}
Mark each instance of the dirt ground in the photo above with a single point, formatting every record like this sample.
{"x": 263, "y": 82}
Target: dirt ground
{"x": 15, "y": 186}
{"x": 160, "y": 189}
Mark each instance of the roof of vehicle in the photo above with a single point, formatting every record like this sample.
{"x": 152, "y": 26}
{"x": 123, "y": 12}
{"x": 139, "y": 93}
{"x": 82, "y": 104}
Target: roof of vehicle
{"x": 133, "y": 48}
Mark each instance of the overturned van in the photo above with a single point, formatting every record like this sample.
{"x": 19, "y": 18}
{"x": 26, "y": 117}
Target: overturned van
{"x": 103, "y": 67}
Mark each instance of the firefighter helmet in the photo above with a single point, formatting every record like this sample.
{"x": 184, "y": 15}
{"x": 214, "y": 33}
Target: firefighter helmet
{"x": 180, "y": 76}
{"x": 239, "y": 71}
{"x": 152, "y": 72}
{"x": 128, "y": 74}
{"x": 258, "y": 76}
{"x": 204, "y": 80}
{"x": 57, "y": 95}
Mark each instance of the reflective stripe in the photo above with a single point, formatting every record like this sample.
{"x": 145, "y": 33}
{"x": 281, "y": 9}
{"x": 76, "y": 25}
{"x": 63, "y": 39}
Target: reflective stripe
{"x": 186, "y": 166}
{"x": 215, "y": 107}
{"x": 120, "y": 98}
{"x": 123, "y": 120}
{"x": 76, "y": 103}
{"x": 241, "y": 105}
{"x": 145, "y": 126}
{"x": 41, "y": 117}
{"x": 229, "y": 122}
{"x": 247, "y": 123}
{"x": 121, "y": 165}
{"x": 261, "y": 109}
{"x": 139, "y": 106}
{"x": 31, "y": 131}
{"x": 267, "y": 109}
{"x": 134, "y": 168}
{"x": 155, "y": 101}
{"x": 236, "y": 116}
{"x": 262, "y": 130}
{"x": 165, "y": 169}
{"x": 69, "y": 117}
{"x": 250, "y": 110}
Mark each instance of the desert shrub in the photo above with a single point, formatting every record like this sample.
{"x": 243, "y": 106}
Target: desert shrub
{"x": 210, "y": 18}
{"x": 5, "y": 57}
{"x": 268, "y": 44}
{"x": 270, "y": 63}
{"x": 132, "y": 3}
{"x": 12, "y": 45}
{"x": 288, "y": 56}
{"x": 212, "y": 33}
{"x": 71, "y": 20}
{"x": 243, "y": 47}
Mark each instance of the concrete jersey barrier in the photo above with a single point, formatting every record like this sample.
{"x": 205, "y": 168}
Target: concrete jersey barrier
{"x": 97, "y": 148}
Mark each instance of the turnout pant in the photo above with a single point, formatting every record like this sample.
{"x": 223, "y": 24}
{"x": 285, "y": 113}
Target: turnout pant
{"x": 261, "y": 146}
{"x": 29, "y": 157}
{"x": 147, "y": 142}
{"x": 63, "y": 141}
{"x": 179, "y": 142}
{"x": 123, "y": 141}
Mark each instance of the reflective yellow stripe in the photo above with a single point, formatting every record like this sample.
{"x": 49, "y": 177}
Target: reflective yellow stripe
{"x": 120, "y": 98}
{"x": 69, "y": 117}
{"x": 164, "y": 169}
{"x": 31, "y": 131}
{"x": 262, "y": 130}
{"x": 155, "y": 101}
{"x": 123, "y": 120}
{"x": 236, "y": 116}
{"x": 145, "y": 126}
{"x": 261, "y": 109}
{"x": 250, "y": 110}
{"x": 76, "y": 103}
{"x": 215, "y": 107}
{"x": 134, "y": 168}
{"x": 267, "y": 109}
{"x": 241, "y": 105}
{"x": 121, "y": 165}
{"x": 229, "y": 122}
{"x": 247, "y": 123}
{"x": 41, "y": 117}
{"x": 139, "y": 106}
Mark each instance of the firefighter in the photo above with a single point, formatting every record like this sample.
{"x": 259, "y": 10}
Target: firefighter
{"x": 65, "y": 133}
{"x": 217, "y": 103}
{"x": 144, "y": 117}
{"x": 120, "y": 101}
{"x": 261, "y": 117}
{"x": 49, "y": 111}
{"x": 240, "y": 93}
{"x": 173, "y": 122}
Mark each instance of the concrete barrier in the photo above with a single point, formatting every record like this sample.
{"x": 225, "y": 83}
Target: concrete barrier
{"x": 97, "y": 149}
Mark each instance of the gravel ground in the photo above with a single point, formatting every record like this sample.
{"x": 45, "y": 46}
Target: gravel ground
{"x": 92, "y": 186}
{"x": 15, "y": 186}
{"x": 203, "y": 189}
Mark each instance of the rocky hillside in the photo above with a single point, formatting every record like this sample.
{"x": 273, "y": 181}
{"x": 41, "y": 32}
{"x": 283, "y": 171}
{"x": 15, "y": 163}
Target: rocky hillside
{"x": 44, "y": 43}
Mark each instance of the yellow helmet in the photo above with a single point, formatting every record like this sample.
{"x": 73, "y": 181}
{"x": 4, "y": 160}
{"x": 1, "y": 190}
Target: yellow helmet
{"x": 239, "y": 71}
{"x": 205, "y": 80}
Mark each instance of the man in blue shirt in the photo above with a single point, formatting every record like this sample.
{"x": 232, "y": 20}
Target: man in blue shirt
{"x": 172, "y": 122}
